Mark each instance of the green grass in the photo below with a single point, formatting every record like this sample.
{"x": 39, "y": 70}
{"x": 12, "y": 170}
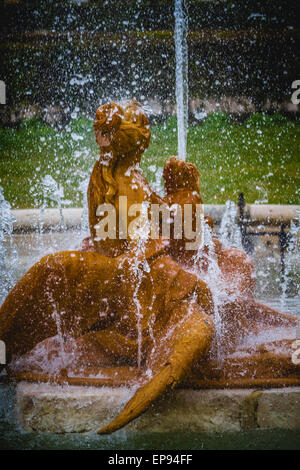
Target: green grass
{"x": 259, "y": 157}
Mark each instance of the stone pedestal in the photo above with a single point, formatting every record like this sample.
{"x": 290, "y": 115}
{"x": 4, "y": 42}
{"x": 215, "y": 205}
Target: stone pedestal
{"x": 55, "y": 409}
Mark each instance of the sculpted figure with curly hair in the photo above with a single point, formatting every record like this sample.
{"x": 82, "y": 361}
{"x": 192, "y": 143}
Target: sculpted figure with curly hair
{"x": 121, "y": 315}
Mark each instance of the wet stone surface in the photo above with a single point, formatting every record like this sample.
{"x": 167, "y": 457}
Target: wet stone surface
{"x": 56, "y": 409}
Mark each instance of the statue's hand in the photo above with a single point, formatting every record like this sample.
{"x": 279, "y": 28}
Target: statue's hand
{"x": 179, "y": 174}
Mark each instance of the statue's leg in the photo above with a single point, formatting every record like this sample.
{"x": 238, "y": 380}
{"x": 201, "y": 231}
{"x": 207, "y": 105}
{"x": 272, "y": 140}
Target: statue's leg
{"x": 106, "y": 347}
{"x": 64, "y": 293}
{"x": 100, "y": 358}
{"x": 245, "y": 316}
{"x": 246, "y": 313}
{"x": 186, "y": 337}
{"x": 238, "y": 270}
{"x": 267, "y": 316}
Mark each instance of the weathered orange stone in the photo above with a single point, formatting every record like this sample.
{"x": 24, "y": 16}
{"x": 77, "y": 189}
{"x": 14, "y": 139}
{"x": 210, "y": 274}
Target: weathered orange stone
{"x": 153, "y": 326}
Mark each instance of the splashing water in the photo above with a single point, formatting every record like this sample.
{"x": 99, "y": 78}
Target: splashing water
{"x": 181, "y": 50}
{"x": 140, "y": 267}
{"x": 82, "y": 188}
{"x": 7, "y": 260}
{"x": 157, "y": 184}
{"x": 230, "y": 234}
{"x": 213, "y": 277}
{"x": 292, "y": 254}
{"x": 53, "y": 192}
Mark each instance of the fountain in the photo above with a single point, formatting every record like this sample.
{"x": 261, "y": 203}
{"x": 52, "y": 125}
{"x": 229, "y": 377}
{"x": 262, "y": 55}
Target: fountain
{"x": 141, "y": 311}
{"x": 94, "y": 335}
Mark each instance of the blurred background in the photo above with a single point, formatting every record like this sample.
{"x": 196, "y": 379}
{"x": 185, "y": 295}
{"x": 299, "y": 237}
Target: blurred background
{"x": 58, "y": 56}
{"x": 61, "y": 59}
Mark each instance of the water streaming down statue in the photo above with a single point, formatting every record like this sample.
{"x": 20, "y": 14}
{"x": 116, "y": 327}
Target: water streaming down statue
{"x": 139, "y": 310}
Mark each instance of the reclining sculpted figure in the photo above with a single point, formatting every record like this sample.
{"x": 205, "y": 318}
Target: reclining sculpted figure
{"x": 136, "y": 309}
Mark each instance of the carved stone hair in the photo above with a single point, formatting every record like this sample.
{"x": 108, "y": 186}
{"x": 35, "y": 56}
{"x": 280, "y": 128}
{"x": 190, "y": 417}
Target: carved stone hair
{"x": 128, "y": 129}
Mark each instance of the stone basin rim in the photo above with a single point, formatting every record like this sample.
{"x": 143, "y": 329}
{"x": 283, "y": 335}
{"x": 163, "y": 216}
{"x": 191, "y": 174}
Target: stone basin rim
{"x": 194, "y": 384}
{"x": 56, "y": 409}
{"x": 27, "y": 220}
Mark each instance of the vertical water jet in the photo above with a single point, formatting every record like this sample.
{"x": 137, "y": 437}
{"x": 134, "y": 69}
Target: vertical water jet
{"x": 181, "y": 51}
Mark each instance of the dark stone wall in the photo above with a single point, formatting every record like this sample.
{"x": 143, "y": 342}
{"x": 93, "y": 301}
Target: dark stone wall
{"x": 75, "y": 55}
{"x": 145, "y": 15}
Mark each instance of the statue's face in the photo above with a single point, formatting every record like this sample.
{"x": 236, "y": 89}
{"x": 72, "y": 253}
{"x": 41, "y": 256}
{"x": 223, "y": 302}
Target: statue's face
{"x": 102, "y": 140}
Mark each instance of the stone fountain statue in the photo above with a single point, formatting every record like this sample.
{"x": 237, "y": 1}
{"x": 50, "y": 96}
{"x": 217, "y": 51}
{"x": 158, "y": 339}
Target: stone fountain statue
{"x": 128, "y": 308}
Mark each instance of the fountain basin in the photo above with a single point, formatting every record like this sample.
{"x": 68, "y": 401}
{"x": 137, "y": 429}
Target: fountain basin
{"x": 32, "y": 246}
{"x": 28, "y": 220}
{"x": 75, "y": 409}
